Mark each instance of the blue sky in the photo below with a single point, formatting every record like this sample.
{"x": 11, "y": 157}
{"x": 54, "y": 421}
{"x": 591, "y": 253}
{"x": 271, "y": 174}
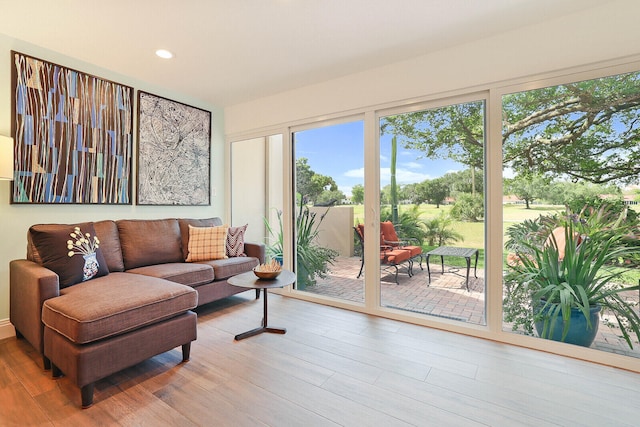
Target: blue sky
{"x": 338, "y": 151}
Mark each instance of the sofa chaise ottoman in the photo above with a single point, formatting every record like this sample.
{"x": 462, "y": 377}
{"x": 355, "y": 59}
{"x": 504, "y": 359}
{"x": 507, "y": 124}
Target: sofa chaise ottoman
{"x": 119, "y": 292}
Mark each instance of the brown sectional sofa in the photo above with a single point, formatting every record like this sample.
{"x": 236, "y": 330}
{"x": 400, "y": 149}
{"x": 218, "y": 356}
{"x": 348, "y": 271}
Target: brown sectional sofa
{"x": 140, "y": 307}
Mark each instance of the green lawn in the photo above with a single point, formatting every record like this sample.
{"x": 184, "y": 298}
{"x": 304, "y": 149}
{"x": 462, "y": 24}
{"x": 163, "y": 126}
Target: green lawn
{"x": 473, "y": 232}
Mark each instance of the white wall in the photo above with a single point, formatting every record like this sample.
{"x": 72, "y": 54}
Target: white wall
{"x": 16, "y": 219}
{"x": 607, "y": 32}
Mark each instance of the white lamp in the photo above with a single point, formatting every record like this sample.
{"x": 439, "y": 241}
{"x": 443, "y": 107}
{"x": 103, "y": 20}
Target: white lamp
{"x": 6, "y": 157}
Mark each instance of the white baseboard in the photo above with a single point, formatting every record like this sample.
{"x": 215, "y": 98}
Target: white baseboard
{"x": 6, "y": 329}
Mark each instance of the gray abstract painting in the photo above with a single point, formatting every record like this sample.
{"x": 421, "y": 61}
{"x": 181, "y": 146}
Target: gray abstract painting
{"x": 174, "y": 153}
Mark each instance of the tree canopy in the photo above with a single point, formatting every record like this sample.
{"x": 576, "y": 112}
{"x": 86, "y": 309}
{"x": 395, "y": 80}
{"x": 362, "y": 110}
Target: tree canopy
{"x": 314, "y": 187}
{"x": 587, "y": 130}
{"x": 435, "y": 190}
{"x": 584, "y": 131}
{"x": 357, "y": 194}
{"x": 528, "y": 187}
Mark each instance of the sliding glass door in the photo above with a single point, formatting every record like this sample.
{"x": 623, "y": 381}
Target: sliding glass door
{"x": 432, "y": 211}
{"x": 329, "y": 189}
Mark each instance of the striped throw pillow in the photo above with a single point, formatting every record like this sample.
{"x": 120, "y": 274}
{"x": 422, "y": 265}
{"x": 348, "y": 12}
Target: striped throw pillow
{"x": 207, "y": 243}
{"x": 235, "y": 241}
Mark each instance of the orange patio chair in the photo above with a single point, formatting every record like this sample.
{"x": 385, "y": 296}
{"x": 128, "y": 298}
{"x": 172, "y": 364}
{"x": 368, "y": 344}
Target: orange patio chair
{"x": 389, "y": 256}
{"x": 390, "y": 238}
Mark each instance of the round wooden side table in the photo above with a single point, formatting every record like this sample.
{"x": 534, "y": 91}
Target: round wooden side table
{"x": 250, "y": 280}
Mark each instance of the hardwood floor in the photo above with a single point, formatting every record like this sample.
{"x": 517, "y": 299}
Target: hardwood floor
{"x": 333, "y": 367}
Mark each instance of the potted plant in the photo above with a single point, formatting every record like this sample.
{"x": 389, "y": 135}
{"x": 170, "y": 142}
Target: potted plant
{"x": 313, "y": 260}
{"x": 568, "y": 285}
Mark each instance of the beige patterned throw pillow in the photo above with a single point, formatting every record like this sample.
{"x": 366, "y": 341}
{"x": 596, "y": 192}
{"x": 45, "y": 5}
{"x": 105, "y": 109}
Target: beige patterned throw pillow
{"x": 207, "y": 243}
{"x": 235, "y": 241}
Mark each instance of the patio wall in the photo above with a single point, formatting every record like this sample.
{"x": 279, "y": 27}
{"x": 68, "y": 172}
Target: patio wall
{"x": 336, "y": 231}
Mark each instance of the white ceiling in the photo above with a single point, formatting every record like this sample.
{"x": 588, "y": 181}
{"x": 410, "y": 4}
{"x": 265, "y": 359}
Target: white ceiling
{"x": 231, "y": 51}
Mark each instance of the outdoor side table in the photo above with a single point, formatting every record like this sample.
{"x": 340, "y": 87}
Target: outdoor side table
{"x": 465, "y": 253}
{"x": 249, "y": 280}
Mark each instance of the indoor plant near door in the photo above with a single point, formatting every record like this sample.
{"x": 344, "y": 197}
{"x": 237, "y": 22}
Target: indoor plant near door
{"x": 569, "y": 284}
{"x": 313, "y": 260}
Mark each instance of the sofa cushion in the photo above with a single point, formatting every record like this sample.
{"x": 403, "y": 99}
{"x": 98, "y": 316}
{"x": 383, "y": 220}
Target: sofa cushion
{"x": 225, "y": 268}
{"x": 149, "y": 242}
{"x": 125, "y": 302}
{"x": 184, "y": 224}
{"x": 235, "y": 241}
{"x": 189, "y": 274}
{"x": 207, "y": 243}
{"x": 107, "y": 232}
{"x": 72, "y": 251}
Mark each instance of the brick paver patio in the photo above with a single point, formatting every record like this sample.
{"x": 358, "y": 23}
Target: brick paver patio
{"x": 446, "y": 296}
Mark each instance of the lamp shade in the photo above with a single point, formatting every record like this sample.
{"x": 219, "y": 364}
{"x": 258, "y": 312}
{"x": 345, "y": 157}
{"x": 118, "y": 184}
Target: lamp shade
{"x": 6, "y": 157}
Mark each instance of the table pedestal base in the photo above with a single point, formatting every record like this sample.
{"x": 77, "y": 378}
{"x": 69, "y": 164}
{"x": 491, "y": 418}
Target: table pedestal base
{"x": 264, "y": 327}
{"x": 260, "y": 330}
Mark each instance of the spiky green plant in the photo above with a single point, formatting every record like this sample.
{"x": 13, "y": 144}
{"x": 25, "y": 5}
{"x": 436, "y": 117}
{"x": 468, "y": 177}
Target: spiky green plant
{"x": 313, "y": 259}
{"x": 582, "y": 279}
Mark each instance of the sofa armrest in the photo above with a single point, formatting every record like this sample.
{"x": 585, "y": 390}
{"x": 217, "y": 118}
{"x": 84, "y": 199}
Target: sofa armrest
{"x": 256, "y": 250}
{"x": 30, "y": 284}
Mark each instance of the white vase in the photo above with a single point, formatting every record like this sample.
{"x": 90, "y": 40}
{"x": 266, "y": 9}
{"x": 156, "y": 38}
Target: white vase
{"x": 91, "y": 265}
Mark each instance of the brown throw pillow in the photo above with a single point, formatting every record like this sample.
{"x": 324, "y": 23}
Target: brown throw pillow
{"x": 72, "y": 251}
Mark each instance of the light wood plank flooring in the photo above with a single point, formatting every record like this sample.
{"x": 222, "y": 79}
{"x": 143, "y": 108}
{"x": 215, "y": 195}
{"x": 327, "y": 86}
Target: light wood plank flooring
{"x": 333, "y": 367}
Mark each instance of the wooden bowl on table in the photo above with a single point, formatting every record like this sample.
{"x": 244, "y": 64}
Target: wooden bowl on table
{"x": 268, "y": 271}
{"x": 266, "y": 275}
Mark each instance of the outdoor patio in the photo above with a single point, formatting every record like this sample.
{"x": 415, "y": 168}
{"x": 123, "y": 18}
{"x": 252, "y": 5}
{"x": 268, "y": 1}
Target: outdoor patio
{"x": 446, "y": 296}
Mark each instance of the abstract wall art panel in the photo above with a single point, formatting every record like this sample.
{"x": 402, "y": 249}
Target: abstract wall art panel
{"x": 174, "y": 150}
{"x": 72, "y": 133}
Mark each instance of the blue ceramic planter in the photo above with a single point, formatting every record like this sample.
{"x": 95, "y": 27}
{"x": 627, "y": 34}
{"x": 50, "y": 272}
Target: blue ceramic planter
{"x": 579, "y": 333}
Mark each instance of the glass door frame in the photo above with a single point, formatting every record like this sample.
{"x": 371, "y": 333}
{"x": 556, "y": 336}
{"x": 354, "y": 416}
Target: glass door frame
{"x": 290, "y": 203}
{"x": 489, "y": 192}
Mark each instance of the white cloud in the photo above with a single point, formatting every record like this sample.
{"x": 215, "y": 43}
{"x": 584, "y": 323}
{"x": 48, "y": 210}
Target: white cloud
{"x": 346, "y": 190}
{"x": 412, "y": 165}
{"x": 403, "y": 176}
{"x": 355, "y": 173}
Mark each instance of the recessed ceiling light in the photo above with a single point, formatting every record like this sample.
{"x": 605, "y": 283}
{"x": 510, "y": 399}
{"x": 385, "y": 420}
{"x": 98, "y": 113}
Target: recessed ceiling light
{"x": 163, "y": 53}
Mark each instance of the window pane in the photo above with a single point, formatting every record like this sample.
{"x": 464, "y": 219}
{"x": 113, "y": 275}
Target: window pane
{"x": 571, "y": 163}
{"x": 432, "y": 212}
{"x": 329, "y": 176}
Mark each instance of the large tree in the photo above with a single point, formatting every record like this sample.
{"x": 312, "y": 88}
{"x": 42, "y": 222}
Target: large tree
{"x": 453, "y": 132}
{"x": 586, "y": 131}
{"x": 436, "y": 191}
{"x": 528, "y": 187}
{"x": 311, "y": 185}
{"x": 413, "y": 194}
{"x": 357, "y": 194}
{"x": 465, "y": 181}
